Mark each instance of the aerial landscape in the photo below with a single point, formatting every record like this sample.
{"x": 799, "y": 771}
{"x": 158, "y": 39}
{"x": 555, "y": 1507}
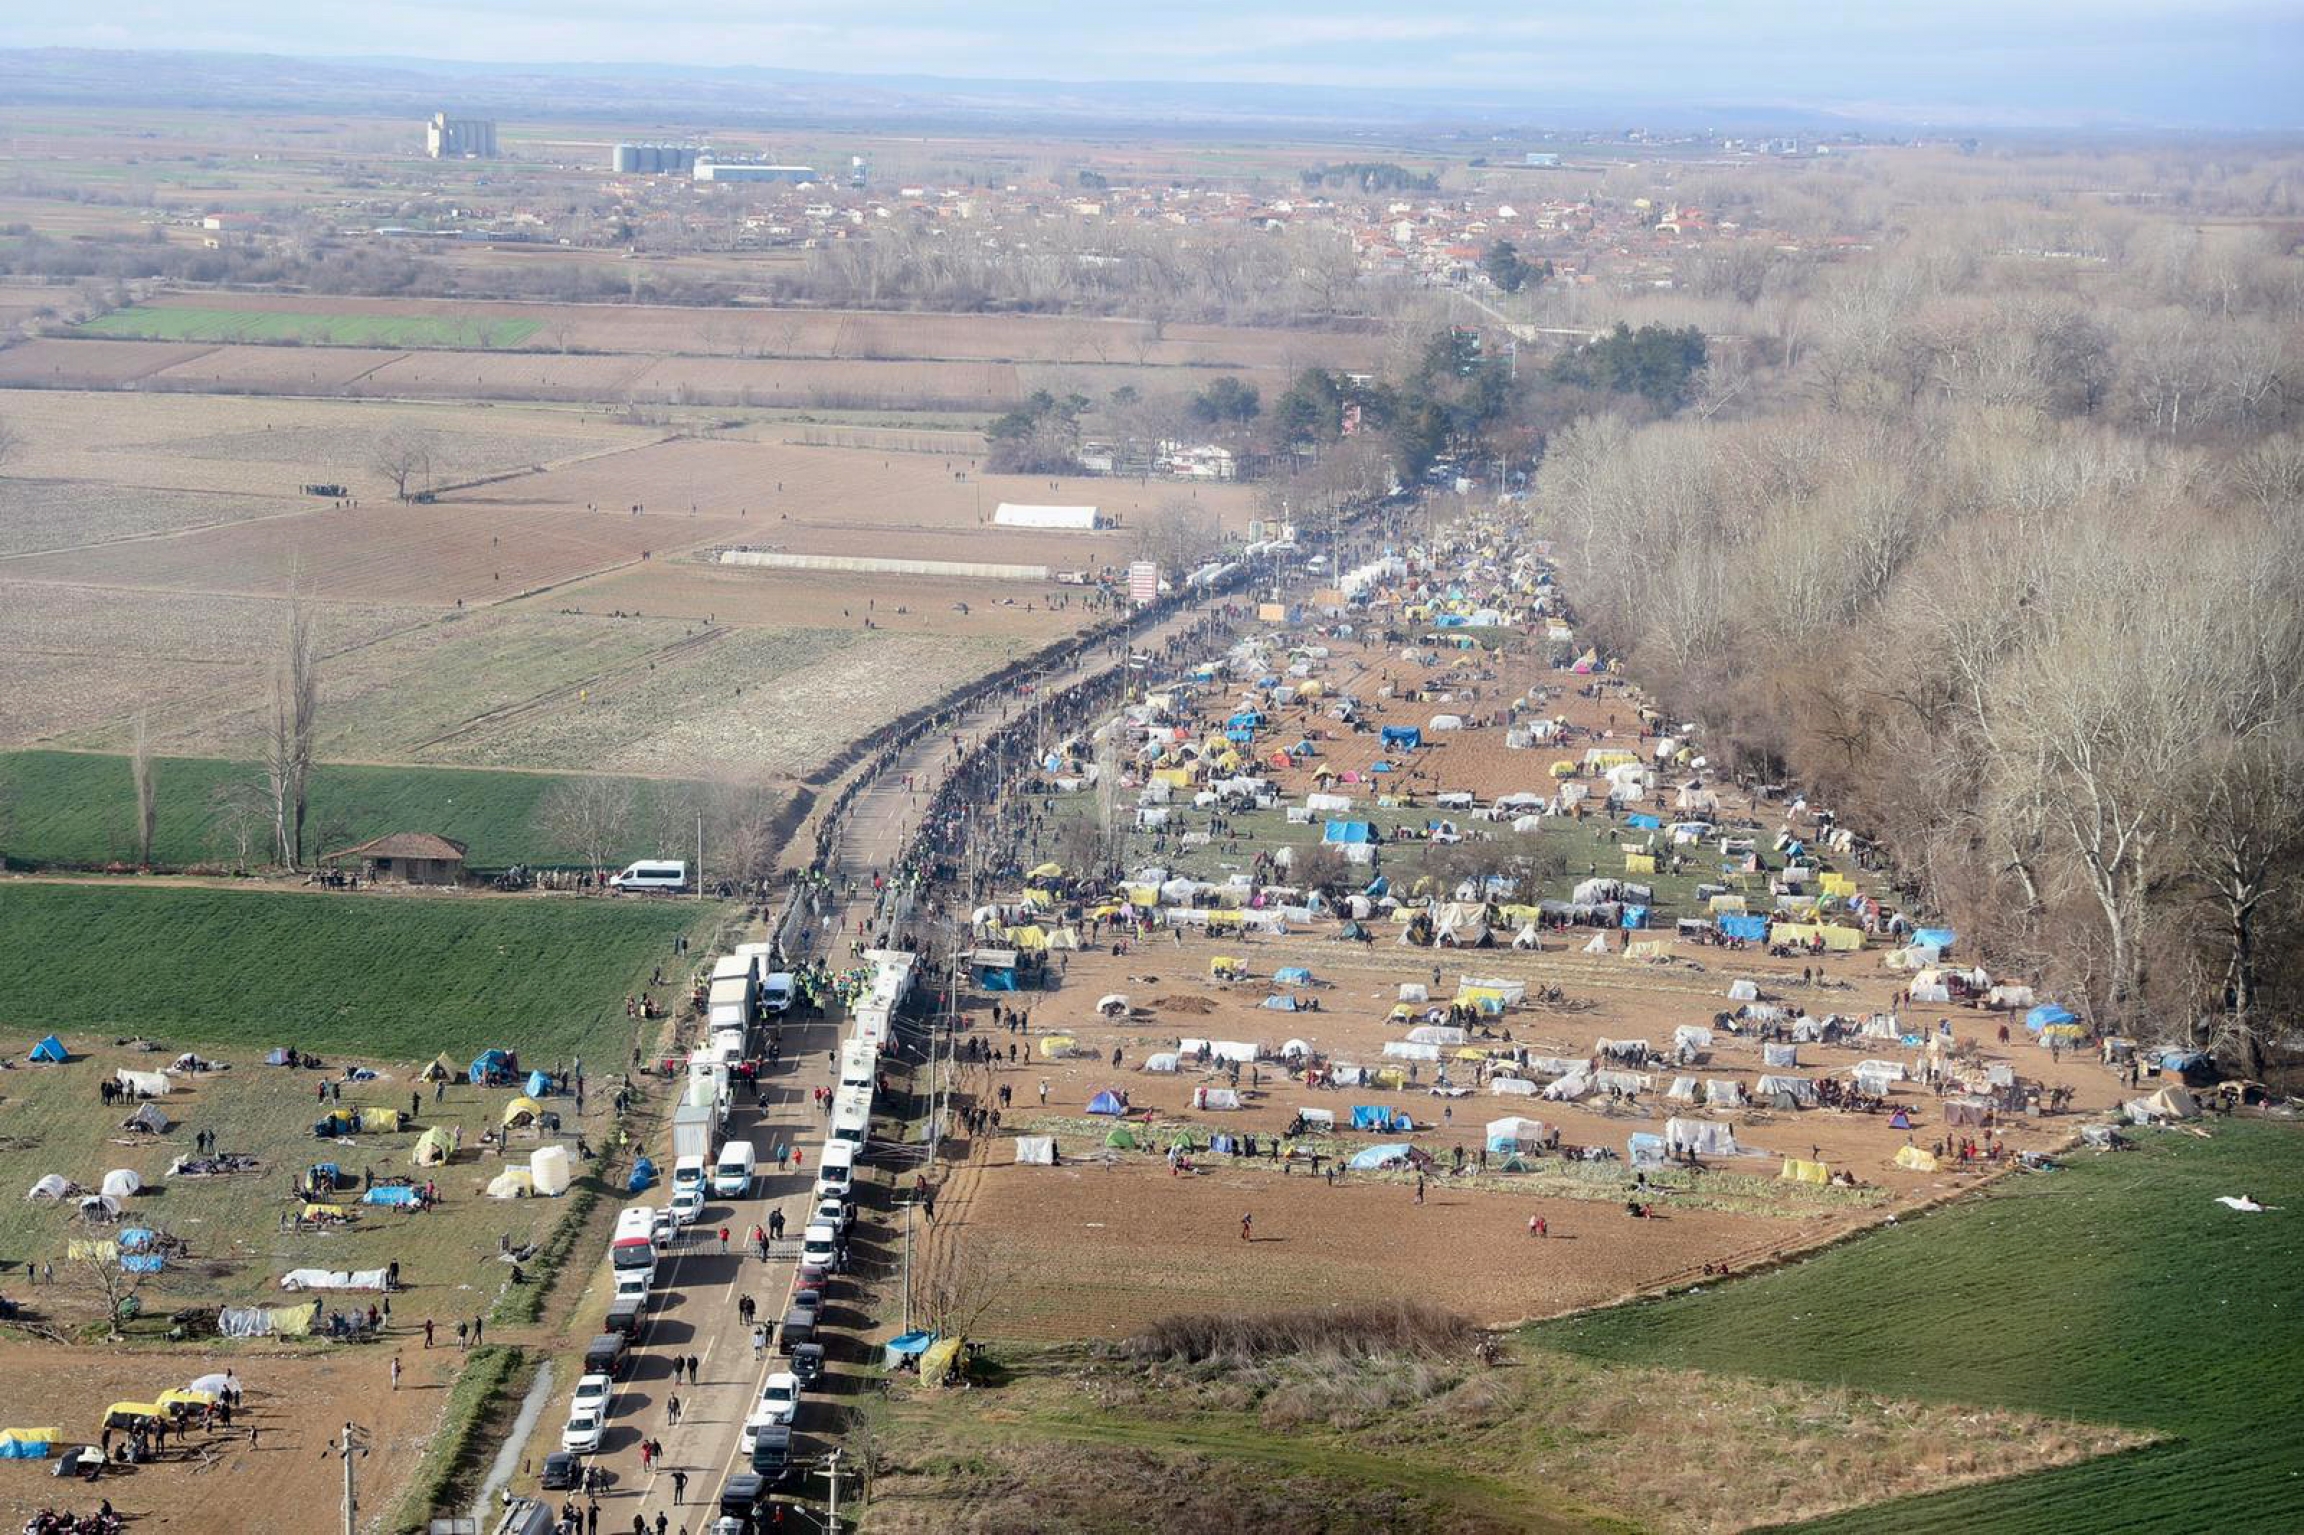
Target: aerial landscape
{"x": 1485, "y": 770}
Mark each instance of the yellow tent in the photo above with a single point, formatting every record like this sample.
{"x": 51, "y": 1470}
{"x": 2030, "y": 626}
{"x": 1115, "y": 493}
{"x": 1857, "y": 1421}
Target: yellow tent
{"x": 1913, "y": 1159}
{"x": 295, "y": 1321}
{"x": 1230, "y": 920}
{"x": 442, "y": 1069}
{"x": 123, "y": 1414}
{"x": 315, "y": 1210}
{"x": 175, "y": 1395}
{"x": 521, "y": 1110}
{"x": 31, "y": 1436}
{"x": 1046, "y": 871}
{"x": 1054, "y": 1045}
{"x": 1473, "y": 996}
{"x": 374, "y": 1121}
{"x": 1310, "y": 688}
{"x": 1143, "y": 895}
{"x": 1837, "y": 939}
{"x": 1039, "y": 898}
{"x": 1650, "y": 948}
{"x": 1471, "y": 1053}
{"x": 1799, "y": 1170}
{"x": 1611, "y": 757}
{"x": 1392, "y": 1077}
{"x": 1727, "y": 904}
{"x": 1563, "y": 770}
{"x": 435, "y": 1145}
{"x": 1030, "y": 936}
{"x": 1402, "y": 1012}
{"x": 1174, "y": 778}
{"x": 1639, "y": 863}
{"x": 937, "y": 1362}
{"x": 1225, "y": 968}
{"x": 1837, "y": 884}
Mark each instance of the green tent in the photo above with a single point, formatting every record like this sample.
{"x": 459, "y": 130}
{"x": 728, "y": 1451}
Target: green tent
{"x": 1121, "y": 1137}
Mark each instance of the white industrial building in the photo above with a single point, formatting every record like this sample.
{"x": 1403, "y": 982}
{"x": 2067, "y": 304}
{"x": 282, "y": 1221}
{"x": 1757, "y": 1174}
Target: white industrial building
{"x": 1064, "y": 519}
{"x": 708, "y": 169}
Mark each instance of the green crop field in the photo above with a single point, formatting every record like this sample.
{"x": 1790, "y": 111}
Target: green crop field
{"x": 78, "y": 810}
{"x": 139, "y": 322}
{"x": 384, "y": 977}
{"x": 2114, "y": 1291}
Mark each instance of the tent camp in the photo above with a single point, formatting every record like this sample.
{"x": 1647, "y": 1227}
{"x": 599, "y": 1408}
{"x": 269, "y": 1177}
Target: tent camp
{"x": 121, "y": 1182}
{"x": 522, "y": 1110}
{"x": 1035, "y": 1151}
{"x": 1107, "y": 1102}
{"x": 50, "y": 1050}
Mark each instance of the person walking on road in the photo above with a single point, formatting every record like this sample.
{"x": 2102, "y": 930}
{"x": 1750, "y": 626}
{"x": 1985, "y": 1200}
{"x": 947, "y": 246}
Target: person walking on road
{"x": 672, "y": 1406}
{"x": 723, "y": 1238}
{"x": 395, "y": 1372}
{"x": 679, "y": 1487}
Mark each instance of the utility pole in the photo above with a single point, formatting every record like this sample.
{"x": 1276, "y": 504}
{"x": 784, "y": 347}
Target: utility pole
{"x": 832, "y": 1492}
{"x": 699, "y": 855}
{"x": 908, "y": 1265}
{"x": 347, "y": 1447}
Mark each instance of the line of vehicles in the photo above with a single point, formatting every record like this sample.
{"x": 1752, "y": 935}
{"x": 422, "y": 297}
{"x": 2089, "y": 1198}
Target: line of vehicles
{"x": 746, "y": 1000}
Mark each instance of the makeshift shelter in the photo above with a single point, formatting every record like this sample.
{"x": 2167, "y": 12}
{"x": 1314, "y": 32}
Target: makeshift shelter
{"x": 1700, "y": 1136}
{"x": 1780, "y": 1055}
{"x": 489, "y": 1067}
{"x": 51, "y": 1050}
{"x": 2165, "y": 1106}
{"x": 511, "y": 1183}
{"x": 1112, "y": 1005}
{"x": 1743, "y": 991}
{"x": 1916, "y": 1159}
{"x": 410, "y": 857}
{"x": 149, "y": 1118}
{"x": 1391, "y": 1153}
{"x": 1724, "y": 1093}
{"x": 53, "y": 1186}
{"x": 1378, "y": 1117}
{"x": 522, "y": 1110}
{"x": 121, "y": 1182}
{"x": 435, "y": 1146}
{"x": 394, "y": 1195}
{"x": 1166, "y": 1061}
{"x": 27, "y": 1443}
{"x": 144, "y": 1084}
{"x": 1215, "y": 1098}
{"x": 1107, "y": 1102}
{"x": 335, "y": 1279}
{"x": 1054, "y": 1047}
{"x": 1121, "y": 1139}
{"x": 1511, "y": 1087}
{"x": 1036, "y": 1151}
{"x": 1801, "y": 1170}
{"x": 442, "y": 1069}
{"x": 1279, "y": 1002}
{"x": 378, "y": 1121}
{"x": 1642, "y": 1149}
{"x": 539, "y": 1085}
{"x": 1514, "y": 1133}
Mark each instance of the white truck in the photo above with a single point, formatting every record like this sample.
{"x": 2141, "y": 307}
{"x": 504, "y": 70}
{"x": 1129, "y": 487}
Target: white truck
{"x": 695, "y": 1132}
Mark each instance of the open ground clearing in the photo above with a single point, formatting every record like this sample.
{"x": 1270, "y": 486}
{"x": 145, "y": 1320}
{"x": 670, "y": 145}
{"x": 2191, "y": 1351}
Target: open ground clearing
{"x": 384, "y": 976}
{"x": 2114, "y": 1291}
{"x": 78, "y": 810}
{"x": 295, "y": 1398}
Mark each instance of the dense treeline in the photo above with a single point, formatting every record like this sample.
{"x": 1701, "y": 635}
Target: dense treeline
{"x": 2014, "y": 576}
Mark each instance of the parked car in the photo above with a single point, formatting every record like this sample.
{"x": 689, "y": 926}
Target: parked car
{"x": 594, "y": 1391}
{"x": 608, "y": 1354}
{"x": 808, "y": 1363}
{"x": 560, "y": 1471}
{"x": 686, "y": 1208}
{"x": 835, "y": 1212}
{"x": 585, "y": 1426}
{"x": 780, "y": 1396}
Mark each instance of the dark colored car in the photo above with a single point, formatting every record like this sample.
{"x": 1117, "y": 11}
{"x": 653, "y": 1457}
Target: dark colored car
{"x": 799, "y": 1327}
{"x": 772, "y": 1452}
{"x": 608, "y": 1354}
{"x": 561, "y": 1471}
{"x": 743, "y": 1494}
{"x": 626, "y": 1315}
{"x": 808, "y": 1363}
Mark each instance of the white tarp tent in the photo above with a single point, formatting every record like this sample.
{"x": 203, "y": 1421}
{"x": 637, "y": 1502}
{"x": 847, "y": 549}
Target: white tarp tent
{"x": 1035, "y": 1151}
{"x": 121, "y": 1182}
{"x": 1743, "y": 991}
{"x": 1683, "y": 1090}
{"x": 1165, "y": 1061}
{"x": 334, "y": 1279}
{"x": 1224, "y": 1049}
{"x": 1801, "y": 1088}
{"x": 1723, "y": 1093}
{"x": 1067, "y": 519}
{"x": 1414, "y": 991}
{"x": 144, "y": 1084}
{"x": 1569, "y": 1088}
{"x": 53, "y": 1186}
{"x": 1691, "y": 1036}
{"x": 1700, "y": 1136}
{"x": 1408, "y": 1050}
{"x": 1512, "y": 1087}
{"x": 1437, "y": 1034}
{"x": 1215, "y": 1098}
{"x": 1516, "y": 1133}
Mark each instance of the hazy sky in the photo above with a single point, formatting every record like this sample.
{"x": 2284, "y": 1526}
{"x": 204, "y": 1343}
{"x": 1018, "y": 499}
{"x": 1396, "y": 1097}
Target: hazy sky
{"x": 2211, "y": 62}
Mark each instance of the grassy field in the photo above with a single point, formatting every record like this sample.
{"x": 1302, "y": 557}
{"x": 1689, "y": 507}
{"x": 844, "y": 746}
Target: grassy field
{"x": 2116, "y": 1291}
{"x": 392, "y": 978}
{"x": 78, "y": 810}
{"x": 142, "y": 323}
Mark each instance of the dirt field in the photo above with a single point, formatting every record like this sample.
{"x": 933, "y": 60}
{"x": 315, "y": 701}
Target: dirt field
{"x": 296, "y": 1401}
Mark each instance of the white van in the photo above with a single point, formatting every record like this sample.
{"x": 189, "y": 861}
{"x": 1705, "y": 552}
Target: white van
{"x": 836, "y": 1169}
{"x": 732, "y": 1174}
{"x": 776, "y": 993}
{"x": 819, "y": 1245}
{"x": 688, "y": 1173}
{"x": 651, "y": 874}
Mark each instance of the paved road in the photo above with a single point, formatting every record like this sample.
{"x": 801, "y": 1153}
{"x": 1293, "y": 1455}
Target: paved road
{"x": 695, "y": 1314}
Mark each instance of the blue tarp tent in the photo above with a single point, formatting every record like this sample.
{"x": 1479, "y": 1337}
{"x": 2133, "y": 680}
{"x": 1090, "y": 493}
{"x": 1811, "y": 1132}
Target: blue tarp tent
{"x": 643, "y": 1175}
{"x": 50, "y": 1049}
{"x": 1753, "y": 928}
{"x": 1107, "y": 1102}
{"x": 1378, "y": 888}
{"x": 488, "y": 1066}
{"x": 14, "y": 1446}
{"x": 1238, "y": 734}
{"x": 1246, "y": 719}
{"x": 1409, "y": 736}
{"x": 143, "y": 1263}
{"x": 1292, "y": 975}
{"x": 1371, "y": 1116}
{"x": 903, "y": 1346}
{"x": 390, "y": 1196}
{"x": 1279, "y": 1002}
{"x": 2045, "y": 1014}
{"x": 1937, "y": 938}
{"x": 1640, "y": 821}
{"x": 997, "y": 980}
{"x": 1635, "y": 916}
{"x": 133, "y": 1238}
{"x": 1644, "y": 1150}
{"x": 1377, "y": 1156}
{"x": 1379, "y": 767}
{"x": 538, "y": 1084}
{"x": 1347, "y": 831}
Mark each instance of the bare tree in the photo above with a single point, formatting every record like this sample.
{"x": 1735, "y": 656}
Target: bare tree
{"x": 961, "y": 1285}
{"x": 2246, "y": 846}
{"x": 740, "y": 825}
{"x": 404, "y": 457}
{"x": 241, "y": 816}
{"x": 293, "y": 733}
{"x": 147, "y": 798}
{"x": 591, "y": 814}
{"x": 1178, "y": 535}
{"x": 113, "y": 1281}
